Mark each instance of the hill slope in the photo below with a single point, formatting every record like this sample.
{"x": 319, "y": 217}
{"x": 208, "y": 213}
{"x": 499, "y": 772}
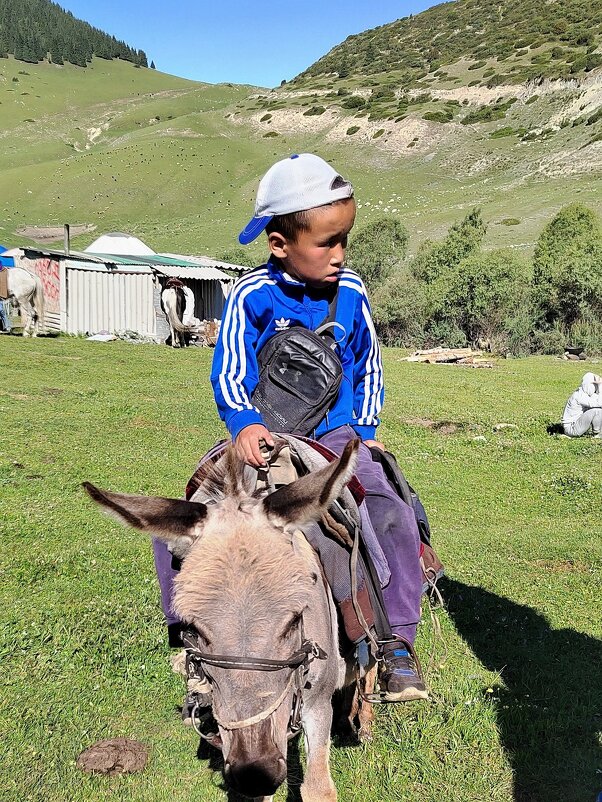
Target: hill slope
{"x": 177, "y": 162}
{"x": 554, "y": 39}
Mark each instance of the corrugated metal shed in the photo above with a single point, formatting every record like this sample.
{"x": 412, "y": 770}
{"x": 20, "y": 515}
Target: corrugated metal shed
{"x": 92, "y": 292}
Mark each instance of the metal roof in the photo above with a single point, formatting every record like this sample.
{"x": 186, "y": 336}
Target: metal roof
{"x": 201, "y": 268}
{"x": 196, "y": 272}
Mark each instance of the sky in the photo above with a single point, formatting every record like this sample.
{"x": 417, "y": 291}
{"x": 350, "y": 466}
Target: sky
{"x": 245, "y": 42}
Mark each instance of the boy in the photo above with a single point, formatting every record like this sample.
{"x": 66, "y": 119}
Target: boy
{"x": 307, "y": 211}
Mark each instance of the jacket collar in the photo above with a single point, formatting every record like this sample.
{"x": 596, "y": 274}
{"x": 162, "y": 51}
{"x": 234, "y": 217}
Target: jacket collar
{"x": 278, "y": 273}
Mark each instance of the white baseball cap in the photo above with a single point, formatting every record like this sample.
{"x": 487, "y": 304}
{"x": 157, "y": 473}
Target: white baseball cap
{"x": 300, "y": 182}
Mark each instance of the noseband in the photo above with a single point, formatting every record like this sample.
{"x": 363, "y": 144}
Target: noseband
{"x": 298, "y": 662}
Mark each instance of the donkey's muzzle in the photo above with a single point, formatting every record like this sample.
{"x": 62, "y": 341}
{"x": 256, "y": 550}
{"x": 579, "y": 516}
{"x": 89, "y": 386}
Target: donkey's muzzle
{"x": 259, "y": 777}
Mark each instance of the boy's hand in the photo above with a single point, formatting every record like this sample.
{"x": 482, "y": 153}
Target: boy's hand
{"x": 247, "y": 444}
{"x": 375, "y": 444}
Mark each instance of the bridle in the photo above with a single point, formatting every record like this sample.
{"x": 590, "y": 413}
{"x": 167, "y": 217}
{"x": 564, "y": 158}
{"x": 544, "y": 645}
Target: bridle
{"x": 298, "y": 663}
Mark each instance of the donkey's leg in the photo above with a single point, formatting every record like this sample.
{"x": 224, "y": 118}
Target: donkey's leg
{"x": 317, "y": 784}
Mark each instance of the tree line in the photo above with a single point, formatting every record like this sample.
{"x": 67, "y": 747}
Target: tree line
{"x": 34, "y": 30}
{"x": 454, "y": 293}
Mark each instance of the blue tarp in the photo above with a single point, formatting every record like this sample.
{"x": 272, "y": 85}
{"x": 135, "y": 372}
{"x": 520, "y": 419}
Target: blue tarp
{"x": 6, "y": 261}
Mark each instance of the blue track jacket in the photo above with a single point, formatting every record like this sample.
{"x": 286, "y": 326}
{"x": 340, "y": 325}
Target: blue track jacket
{"x": 268, "y": 300}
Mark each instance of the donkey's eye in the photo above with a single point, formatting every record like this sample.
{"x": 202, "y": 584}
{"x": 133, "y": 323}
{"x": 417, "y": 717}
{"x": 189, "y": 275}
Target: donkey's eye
{"x": 292, "y": 624}
{"x": 203, "y": 636}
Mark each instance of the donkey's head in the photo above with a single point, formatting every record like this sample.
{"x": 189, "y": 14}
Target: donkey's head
{"x": 245, "y": 587}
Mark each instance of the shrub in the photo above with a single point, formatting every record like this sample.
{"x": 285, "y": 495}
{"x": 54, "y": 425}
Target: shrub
{"x": 438, "y": 116}
{"x": 398, "y": 306}
{"x": 377, "y": 248}
{"x": 270, "y": 134}
{"x": 484, "y": 292}
{"x": 378, "y": 133}
{"x": 502, "y": 132}
{"x": 485, "y": 114}
{"x": 314, "y": 111}
{"x": 434, "y": 259}
{"x": 595, "y": 117}
{"x": 353, "y": 102}
{"x": 353, "y": 130}
{"x": 567, "y": 267}
{"x": 265, "y": 118}
{"x": 510, "y": 221}
{"x": 477, "y": 65}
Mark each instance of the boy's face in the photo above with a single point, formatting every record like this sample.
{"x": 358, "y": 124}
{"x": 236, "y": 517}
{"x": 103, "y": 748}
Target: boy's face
{"x": 317, "y": 255}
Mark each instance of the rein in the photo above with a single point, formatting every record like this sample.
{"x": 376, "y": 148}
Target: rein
{"x": 298, "y": 662}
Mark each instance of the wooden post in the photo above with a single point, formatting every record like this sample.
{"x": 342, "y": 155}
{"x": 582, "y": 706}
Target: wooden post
{"x": 66, "y": 239}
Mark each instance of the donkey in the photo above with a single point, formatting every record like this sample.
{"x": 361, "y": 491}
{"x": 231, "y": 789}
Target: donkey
{"x": 26, "y": 289}
{"x": 265, "y": 623}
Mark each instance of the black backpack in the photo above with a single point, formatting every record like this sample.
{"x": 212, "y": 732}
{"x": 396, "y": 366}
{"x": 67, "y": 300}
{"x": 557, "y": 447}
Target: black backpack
{"x": 299, "y": 377}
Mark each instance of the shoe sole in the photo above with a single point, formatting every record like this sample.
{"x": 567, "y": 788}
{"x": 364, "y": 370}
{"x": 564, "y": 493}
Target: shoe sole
{"x": 407, "y": 695}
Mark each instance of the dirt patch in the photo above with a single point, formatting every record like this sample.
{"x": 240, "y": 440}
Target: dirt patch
{"x": 426, "y": 422}
{"x": 114, "y": 756}
{"x": 562, "y": 566}
{"x": 441, "y": 426}
{"x": 52, "y": 390}
{"x": 44, "y": 234}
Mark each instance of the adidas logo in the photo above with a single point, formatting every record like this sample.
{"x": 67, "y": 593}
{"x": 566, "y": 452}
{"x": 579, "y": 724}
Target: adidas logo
{"x": 282, "y": 324}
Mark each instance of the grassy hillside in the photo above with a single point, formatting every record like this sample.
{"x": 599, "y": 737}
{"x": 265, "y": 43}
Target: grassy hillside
{"x": 177, "y": 162}
{"x": 529, "y": 38}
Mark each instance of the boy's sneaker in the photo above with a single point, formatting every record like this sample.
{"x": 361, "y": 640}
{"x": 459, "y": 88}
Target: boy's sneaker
{"x": 401, "y": 676}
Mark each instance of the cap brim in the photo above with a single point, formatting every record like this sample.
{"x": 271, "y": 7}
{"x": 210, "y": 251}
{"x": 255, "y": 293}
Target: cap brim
{"x": 253, "y": 229}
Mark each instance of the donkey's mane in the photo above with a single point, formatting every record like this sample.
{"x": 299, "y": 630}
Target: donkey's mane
{"x": 246, "y": 569}
{"x": 244, "y": 562}
{"x": 224, "y": 478}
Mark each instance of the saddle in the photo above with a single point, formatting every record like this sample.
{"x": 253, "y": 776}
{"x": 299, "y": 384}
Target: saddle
{"x": 354, "y": 575}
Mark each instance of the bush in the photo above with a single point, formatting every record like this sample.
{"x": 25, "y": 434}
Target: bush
{"x": 435, "y": 259}
{"x": 265, "y": 118}
{"x": 314, "y": 111}
{"x": 551, "y": 341}
{"x": 378, "y": 133}
{"x": 376, "y": 249}
{"x": 398, "y": 307}
{"x": 567, "y": 267}
{"x": 353, "y": 102}
{"x": 438, "y": 116}
{"x": 483, "y": 293}
{"x": 485, "y": 114}
{"x": 353, "y": 130}
{"x": 502, "y": 132}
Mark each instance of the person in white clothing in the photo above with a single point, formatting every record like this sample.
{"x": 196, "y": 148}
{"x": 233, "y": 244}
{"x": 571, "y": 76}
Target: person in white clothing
{"x": 583, "y": 410}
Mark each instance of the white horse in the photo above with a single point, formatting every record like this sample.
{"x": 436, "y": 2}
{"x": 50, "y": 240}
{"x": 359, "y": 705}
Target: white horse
{"x": 25, "y": 289}
{"x": 178, "y": 304}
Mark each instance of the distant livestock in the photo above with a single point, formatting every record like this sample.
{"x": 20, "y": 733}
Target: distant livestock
{"x": 25, "y": 289}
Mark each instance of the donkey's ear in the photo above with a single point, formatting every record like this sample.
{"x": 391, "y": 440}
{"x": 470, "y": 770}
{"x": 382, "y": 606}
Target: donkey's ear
{"x": 178, "y": 522}
{"x": 308, "y": 498}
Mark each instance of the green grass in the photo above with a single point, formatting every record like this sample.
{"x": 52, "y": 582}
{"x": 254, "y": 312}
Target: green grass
{"x": 515, "y": 704}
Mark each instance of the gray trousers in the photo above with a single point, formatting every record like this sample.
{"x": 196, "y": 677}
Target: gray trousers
{"x": 591, "y": 417}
